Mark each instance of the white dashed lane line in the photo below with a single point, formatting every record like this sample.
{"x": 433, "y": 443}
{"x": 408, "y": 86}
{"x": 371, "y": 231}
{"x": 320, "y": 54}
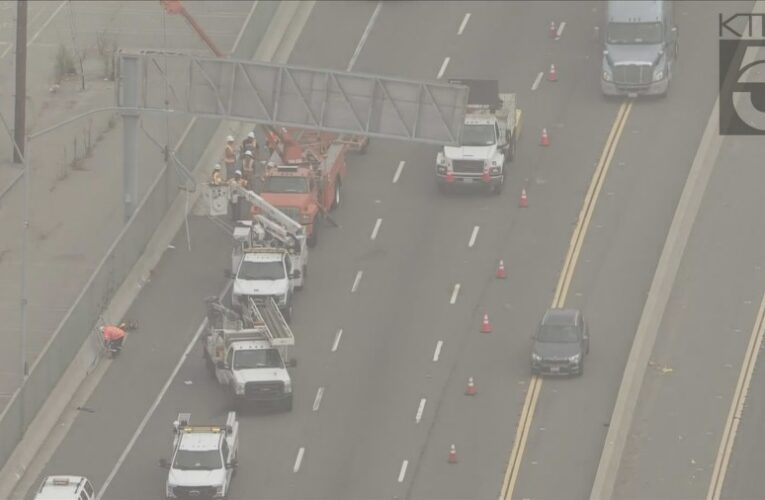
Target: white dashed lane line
{"x": 376, "y": 229}
{"x": 420, "y": 410}
{"x": 356, "y": 281}
{"x": 473, "y": 237}
{"x": 437, "y": 353}
{"x": 443, "y": 68}
{"x": 455, "y": 293}
{"x": 560, "y": 30}
{"x": 398, "y": 171}
{"x": 537, "y": 81}
{"x": 338, "y": 336}
{"x": 317, "y": 401}
{"x": 402, "y": 472}
{"x": 464, "y": 23}
{"x": 298, "y": 459}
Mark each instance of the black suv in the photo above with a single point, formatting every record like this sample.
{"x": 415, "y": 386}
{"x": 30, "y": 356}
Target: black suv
{"x": 560, "y": 343}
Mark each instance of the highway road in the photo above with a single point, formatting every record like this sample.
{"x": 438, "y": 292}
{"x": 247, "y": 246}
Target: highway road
{"x": 410, "y": 337}
{"x": 704, "y": 340}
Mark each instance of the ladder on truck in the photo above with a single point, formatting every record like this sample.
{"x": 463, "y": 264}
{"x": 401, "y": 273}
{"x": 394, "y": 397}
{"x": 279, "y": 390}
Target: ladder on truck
{"x": 261, "y": 319}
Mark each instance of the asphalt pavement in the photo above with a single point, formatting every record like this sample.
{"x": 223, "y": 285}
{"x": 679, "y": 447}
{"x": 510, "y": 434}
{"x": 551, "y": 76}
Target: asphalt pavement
{"x": 403, "y": 340}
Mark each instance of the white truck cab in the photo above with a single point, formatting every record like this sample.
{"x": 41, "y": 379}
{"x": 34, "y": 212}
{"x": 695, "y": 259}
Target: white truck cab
{"x": 65, "y": 488}
{"x": 266, "y": 273}
{"x": 204, "y": 459}
{"x": 488, "y": 139}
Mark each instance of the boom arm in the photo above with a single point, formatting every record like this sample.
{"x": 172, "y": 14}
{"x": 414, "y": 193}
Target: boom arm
{"x": 271, "y": 212}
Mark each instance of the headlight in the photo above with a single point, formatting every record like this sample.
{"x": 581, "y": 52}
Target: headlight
{"x": 169, "y": 491}
{"x": 441, "y": 169}
{"x": 607, "y": 76}
{"x": 287, "y": 386}
{"x": 239, "y": 388}
{"x": 219, "y": 491}
{"x": 536, "y": 357}
{"x": 440, "y": 160}
{"x": 574, "y": 358}
{"x": 494, "y": 170}
{"x": 658, "y": 75}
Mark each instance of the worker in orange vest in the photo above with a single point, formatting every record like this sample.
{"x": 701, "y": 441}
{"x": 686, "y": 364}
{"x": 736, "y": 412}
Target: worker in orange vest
{"x": 113, "y": 336}
{"x": 248, "y": 165}
{"x": 217, "y": 176}
{"x": 229, "y": 157}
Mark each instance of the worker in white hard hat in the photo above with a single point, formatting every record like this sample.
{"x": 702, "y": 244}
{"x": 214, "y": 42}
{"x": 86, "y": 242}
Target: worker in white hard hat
{"x": 248, "y": 163}
{"x": 217, "y": 176}
{"x": 229, "y": 157}
{"x": 237, "y": 202}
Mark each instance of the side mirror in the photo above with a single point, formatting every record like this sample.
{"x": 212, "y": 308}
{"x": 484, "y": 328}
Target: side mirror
{"x": 232, "y": 464}
{"x": 228, "y": 273}
{"x": 292, "y": 363}
{"x": 221, "y": 365}
{"x": 164, "y": 463}
{"x": 296, "y": 274}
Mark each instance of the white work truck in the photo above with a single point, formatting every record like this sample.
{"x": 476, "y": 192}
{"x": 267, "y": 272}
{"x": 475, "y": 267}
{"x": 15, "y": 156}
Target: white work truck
{"x": 248, "y": 351}
{"x": 488, "y": 140}
{"x": 65, "y": 488}
{"x": 268, "y": 260}
{"x": 204, "y": 459}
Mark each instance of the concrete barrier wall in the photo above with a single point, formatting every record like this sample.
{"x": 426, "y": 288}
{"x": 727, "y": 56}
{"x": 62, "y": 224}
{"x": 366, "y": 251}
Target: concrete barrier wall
{"x": 78, "y": 325}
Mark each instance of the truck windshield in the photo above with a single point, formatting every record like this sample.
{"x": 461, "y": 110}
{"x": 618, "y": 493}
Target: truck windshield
{"x": 261, "y": 271}
{"x": 276, "y": 184}
{"x": 260, "y": 358}
{"x": 478, "y": 135}
{"x": 198, "y": 460}
{"x": 557, "y": 333}
{"x": 634, "y": 33}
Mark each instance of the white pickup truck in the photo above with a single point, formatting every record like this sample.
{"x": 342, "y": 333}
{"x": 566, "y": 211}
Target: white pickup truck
{"x": 246, "y": 351}
{"x": 488, "y": 141}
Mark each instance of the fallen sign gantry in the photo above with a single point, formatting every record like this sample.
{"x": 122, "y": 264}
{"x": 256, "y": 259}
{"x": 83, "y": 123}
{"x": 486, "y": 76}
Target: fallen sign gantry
{"x": 291, "y": 96}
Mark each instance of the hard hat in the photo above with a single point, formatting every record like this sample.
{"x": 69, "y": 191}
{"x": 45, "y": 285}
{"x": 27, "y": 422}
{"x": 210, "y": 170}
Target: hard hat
{"x": 251, "y": 135}
{"x": 248, "y": 153}
{"x": 229, "y": 139}
{"x": 217, "y": 166}
{"x": 238, "y": 172}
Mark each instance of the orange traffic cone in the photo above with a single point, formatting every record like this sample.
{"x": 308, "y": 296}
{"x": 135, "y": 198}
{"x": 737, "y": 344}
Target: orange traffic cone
{"x": 485, "y": 325}
{"x": 501, "y": 273}
{"x": 471, "y": 390}
{"x": 524, "y": 199}
{"x": 452, "y": 455}
{"x": 545, "y": 139}
{"x": 552, "y": 76}
{"x": 553, "y": 30}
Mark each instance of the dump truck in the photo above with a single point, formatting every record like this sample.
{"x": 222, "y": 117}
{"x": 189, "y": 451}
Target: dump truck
{"x": 488, "y": 141}
{"x": 247, "y": 350}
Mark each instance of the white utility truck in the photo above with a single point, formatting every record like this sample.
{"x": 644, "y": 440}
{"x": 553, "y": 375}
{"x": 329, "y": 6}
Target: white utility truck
{"x": 204, "y": 459}
{"x": 247, "y": 349}
{"x": 488, "y": 141}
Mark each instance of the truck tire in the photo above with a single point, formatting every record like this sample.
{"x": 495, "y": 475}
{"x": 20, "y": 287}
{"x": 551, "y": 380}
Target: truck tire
{"x": 498, "y": 188}
{"x": 511, "y": 151}
{"x": 288, "y": 404}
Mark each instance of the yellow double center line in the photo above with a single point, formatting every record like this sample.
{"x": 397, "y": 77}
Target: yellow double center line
{"x": 561, "y": 291}
{"x": 737, "y": 405}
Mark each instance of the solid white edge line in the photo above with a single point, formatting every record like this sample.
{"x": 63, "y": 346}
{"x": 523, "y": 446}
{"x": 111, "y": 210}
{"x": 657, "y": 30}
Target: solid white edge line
{"x": 402, "y": 473}
{"x": 376, "y": 229}
{"x": 443, "y": 68}
{"x": 356, "y": 281}
{"x": 317, "y": 401}
{"x": 364, "y": 36}
{"x": 464, "y": 23}
{"x": 537, "y": 81}
{"x": 473, "y": 236}
{"x": 455, "y": 293}
{"x": 437, "y": 353}
{"x": 154, "y": 405}
{"x": 398, "y": 171}
{"x": 337, "y": 340}
{"x": 560, "y": 29}
{"x": 420, "y": 410}
{"x": 298, "y": 459}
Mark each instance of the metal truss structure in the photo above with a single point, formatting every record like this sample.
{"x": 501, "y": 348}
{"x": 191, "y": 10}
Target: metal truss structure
{"x": 282, "y": 95}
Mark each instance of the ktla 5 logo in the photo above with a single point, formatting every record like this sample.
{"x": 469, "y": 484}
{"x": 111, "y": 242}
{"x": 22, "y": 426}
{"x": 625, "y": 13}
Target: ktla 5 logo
{"x": 742, "y": 76}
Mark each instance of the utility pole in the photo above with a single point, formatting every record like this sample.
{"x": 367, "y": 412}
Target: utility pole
{"x": 21, "y": 80}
